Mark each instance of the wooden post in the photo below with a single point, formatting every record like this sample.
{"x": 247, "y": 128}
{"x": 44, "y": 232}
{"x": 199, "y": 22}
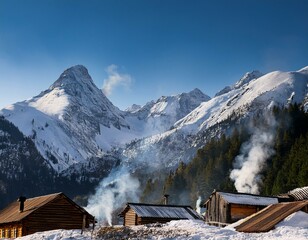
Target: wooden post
{"x": 83, "y": 223}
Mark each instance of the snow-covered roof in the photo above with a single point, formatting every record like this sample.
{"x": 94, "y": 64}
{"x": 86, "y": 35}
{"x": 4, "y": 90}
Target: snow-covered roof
{"x": 299, "y": 193}
{"x": 163, "y": 211}
{"x": 248, "y": 199}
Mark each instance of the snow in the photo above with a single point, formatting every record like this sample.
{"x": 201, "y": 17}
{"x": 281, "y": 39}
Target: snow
{"x": 274, "y": 87}
{"x": 248, "y": 199}
{"x": 297, "y": 219}
{"x": 83, "y": 123}
{"x": 294, "y": 226}
{"x": 52, "y": 103}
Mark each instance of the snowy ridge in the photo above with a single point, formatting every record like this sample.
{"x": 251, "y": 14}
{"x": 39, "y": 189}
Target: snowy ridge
{"x": 65, "y": 119}
{"x": 180, "y": 143}
{"x": 73, "y": 122}
{"x": 159, "y": 116}
{"x": 276, "y": 88}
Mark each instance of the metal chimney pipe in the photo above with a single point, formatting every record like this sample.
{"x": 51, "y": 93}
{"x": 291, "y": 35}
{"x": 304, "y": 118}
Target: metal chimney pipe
{"x": 21, "y": 201}
{"x": 166, "y": 196}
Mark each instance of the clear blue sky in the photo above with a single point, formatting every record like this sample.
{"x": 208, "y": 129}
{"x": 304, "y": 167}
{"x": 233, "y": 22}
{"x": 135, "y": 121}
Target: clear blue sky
{"x": 160, "y": 47}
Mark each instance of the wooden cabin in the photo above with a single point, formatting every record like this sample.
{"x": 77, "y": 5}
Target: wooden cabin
{"x": 139, "y": 213}
{"x": 223, "y": 208}
{"x": 49, "y": 212}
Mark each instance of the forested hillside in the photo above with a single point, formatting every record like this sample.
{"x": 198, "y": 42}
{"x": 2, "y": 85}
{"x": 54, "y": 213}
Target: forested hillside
{"x": 285, "y": 169}
{"x": 23, "y": 171}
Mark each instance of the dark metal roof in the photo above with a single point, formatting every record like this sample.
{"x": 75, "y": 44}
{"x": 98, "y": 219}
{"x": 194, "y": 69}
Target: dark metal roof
{"x": 244, "y": 198}
{"x": 162, "y": 211}
{"x": 299, "y": 193}
{"x": 267, "y": 218}
{"x": 248, "y": 199}
{"x": 12, "y": 214}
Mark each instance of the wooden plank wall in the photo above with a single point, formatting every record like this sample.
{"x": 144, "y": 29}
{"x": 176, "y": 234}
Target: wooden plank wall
{"x": 57, "y": 214}
{"x": 11, "y": 230}
{"x": 130, "y": 218}
{"x": 241, "y": 211}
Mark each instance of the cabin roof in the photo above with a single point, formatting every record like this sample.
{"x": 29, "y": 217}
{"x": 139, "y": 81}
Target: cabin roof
{"x": 267, "y": 218}
{"x": 161, "y": 211}
{"x": 299, "y": 193}
{"x": 12, "y": 214}
{"x": 248, "y": 199}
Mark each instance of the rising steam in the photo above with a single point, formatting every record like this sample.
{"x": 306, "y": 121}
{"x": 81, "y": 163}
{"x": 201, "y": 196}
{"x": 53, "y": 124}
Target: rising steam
{"x": 198, "y": 203}
{"x": 112, "y": 194}
{"x": 254, "y": 153}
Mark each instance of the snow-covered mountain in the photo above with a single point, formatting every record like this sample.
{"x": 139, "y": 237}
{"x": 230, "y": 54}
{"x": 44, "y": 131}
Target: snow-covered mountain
{"x": 73, "y": 123}
{"x": 251, "y": 94}
{"x": 158, "y": 116}
{"x": 273, "y": 89}
{"x": 66, "y": 120}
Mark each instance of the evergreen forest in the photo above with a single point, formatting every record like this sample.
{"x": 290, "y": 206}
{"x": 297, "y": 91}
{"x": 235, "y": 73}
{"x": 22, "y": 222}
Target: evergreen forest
{"x": 284, "y": 170}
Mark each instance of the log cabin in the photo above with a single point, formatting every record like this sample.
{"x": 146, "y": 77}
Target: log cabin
{"x": 140, "y": 213}
{"x": 49, "y": 212}
{"x": 224, "y": 208}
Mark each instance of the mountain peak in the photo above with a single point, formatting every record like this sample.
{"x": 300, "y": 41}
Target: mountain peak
{"x": 248, "y": 77}
{"x": 196, "y": 91}
{"x": 76, "y": 75}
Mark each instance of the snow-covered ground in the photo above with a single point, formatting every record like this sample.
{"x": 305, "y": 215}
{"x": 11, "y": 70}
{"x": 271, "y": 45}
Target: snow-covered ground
{"x": 293, "y": 227}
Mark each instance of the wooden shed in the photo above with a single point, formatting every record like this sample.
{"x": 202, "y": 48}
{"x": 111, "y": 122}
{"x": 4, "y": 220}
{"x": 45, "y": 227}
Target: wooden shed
{"x": 49, "y": 212}
{"x": 223, "y": 208}
{"x": 139, "y": 213}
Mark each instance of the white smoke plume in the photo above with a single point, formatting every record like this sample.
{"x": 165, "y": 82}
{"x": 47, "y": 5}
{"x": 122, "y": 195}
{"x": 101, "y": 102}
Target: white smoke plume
{"x": 253, "y": 157}
{"x": 112, "y": 194}
{"x": 198, "y": 208}
{"x": 115, "y": 79}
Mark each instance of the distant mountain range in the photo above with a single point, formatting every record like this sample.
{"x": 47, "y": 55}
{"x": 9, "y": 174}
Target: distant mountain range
{"x": 76, "y": 128}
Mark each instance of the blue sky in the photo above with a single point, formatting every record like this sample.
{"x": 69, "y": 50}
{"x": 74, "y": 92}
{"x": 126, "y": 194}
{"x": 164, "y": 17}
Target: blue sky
{"x": 149, "y": 47}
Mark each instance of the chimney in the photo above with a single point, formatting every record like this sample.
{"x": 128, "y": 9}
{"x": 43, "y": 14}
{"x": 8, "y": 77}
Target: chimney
{"x": 166, "y": 196}
{"x": 21, "y": 201}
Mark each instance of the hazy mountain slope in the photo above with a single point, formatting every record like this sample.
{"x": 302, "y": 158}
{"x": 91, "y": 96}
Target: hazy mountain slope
{"x": 190, "y": 133}
{"x": 73, "y": 123}
{"x": 158, "y": 116}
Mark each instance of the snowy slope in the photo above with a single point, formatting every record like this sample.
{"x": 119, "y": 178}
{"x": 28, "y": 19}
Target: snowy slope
{"x": 73, "y": 121}
{"x": 275, "y": 88}
{"x": 248, "y": 96}
{"x": 157, "y": 117}
{"x": 65, "y": 120}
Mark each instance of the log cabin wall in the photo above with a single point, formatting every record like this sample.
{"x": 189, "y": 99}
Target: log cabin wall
{"x": 130, "y": 218}
{"x": 11, "y": 230}
{"x": 218, "y": 210}
{"x": 57, "y": 214}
